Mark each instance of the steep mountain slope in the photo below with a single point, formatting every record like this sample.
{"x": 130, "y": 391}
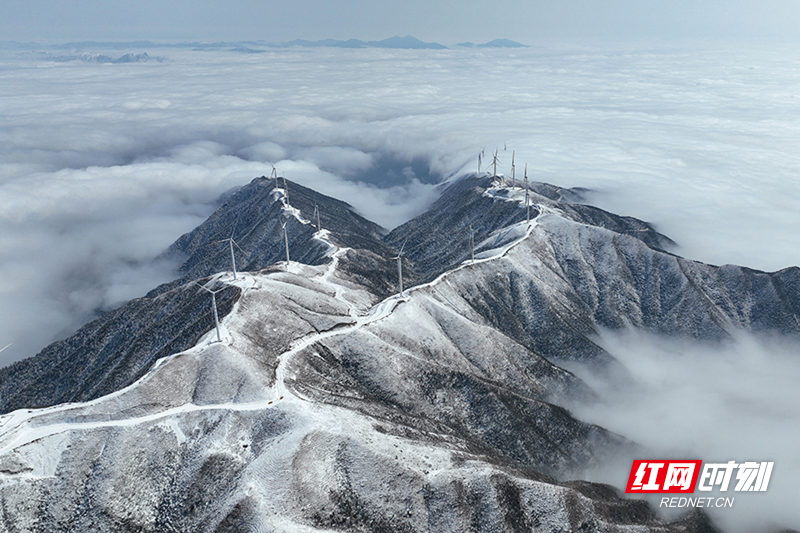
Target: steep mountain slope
{"x": 332, "y": 404}
{"x": 217, "y": 439}
{"x": 583, "y": 268}
{"x": 440, "y": 237}
{"x": 254, "y": 215}
{"x": 120, "y": 346}
{"x": 112, "y": 351}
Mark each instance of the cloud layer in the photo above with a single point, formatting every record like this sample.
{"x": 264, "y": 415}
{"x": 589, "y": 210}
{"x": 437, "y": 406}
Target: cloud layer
{"x": 718, "y": 402}
{"x": 102, "y": 166}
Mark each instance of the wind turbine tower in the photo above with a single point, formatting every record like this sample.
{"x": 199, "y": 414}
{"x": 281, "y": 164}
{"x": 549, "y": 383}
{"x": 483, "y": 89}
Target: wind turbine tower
{"x": 214, "y": 307}
{"x": 513, "y": 170}
{"x": 495, "y": 160}
{"x": 527, "y": 197}
{"x": 231, "y": 243}
{"x": 286, "y": 242}
{"x": 316, "y": 215}
{"x": 399, "y": 259}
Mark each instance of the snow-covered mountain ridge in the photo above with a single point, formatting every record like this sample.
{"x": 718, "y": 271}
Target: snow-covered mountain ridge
{"x": 334, "y": 403}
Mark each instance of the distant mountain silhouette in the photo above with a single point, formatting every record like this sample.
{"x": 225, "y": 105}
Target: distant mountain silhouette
{"x": 397, "y": 42}
{"x": 496, "y": 43}
{"x": 407, "y": 42}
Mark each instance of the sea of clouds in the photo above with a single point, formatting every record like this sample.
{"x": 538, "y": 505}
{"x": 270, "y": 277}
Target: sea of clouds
{"x": 717, "y": 402}
{"x": 102, "y": 166}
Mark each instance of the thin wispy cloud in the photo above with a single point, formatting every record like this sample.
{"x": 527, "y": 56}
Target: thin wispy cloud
{"x": 103, "y": 165}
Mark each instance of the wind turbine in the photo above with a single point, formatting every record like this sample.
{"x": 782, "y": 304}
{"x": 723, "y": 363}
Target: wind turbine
{"x": 479, "y": 164}
{"x": 495, "y": 160}
{"x": 231, "y": 243}
{"x": 527, "y": 197}
{"x": 399, "y": 258}
{"x": 316, "y": 214}
{"x": 274, "y": 175}
{"x": 286, "y": 241}
{"x": 213, "y": 306}
{"x": 513, "y": 170}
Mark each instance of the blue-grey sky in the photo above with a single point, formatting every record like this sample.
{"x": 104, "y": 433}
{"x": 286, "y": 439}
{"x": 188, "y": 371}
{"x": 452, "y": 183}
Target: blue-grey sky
{"x": 447, "y": 21}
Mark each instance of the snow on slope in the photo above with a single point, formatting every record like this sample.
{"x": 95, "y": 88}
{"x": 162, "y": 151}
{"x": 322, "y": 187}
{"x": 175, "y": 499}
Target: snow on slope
{"x": 229, "y": 433}
{"x": 336, "y": 303}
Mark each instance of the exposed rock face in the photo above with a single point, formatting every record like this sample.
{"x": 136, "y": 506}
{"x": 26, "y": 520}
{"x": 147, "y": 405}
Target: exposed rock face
{"x": 332, "y": 403}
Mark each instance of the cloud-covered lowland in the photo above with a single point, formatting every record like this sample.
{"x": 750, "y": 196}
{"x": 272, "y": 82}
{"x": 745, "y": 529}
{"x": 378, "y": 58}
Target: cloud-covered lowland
{"x": 737, "y": 400}
{"x": 103, "y": 165}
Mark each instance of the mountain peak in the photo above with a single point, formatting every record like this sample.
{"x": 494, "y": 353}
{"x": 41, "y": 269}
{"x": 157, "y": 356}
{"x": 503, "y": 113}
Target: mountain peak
{"x": 328, "y": 397}
{"x": 397, "y": 41}
{"x": 495, "y": 43}
{"x": 407, "y": 41}
{"x": 503, "y": 43}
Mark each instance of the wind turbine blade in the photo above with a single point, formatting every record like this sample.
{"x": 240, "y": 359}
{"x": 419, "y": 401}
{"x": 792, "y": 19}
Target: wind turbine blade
{"x": 203, "y": 287}
{"x": 7, "y": 346}
{"x": 402, "y": 247}
{"x": 235, "y": 224}
{"x": 209, "y": 290}
{"x": 237, "y": 245}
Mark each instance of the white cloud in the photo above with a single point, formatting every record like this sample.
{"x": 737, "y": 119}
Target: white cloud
{"x": 102, "y": 166}
{"x": 342, "y": 160}
{"x": 264, "y": 151}
{"x": 688, "y": 400}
